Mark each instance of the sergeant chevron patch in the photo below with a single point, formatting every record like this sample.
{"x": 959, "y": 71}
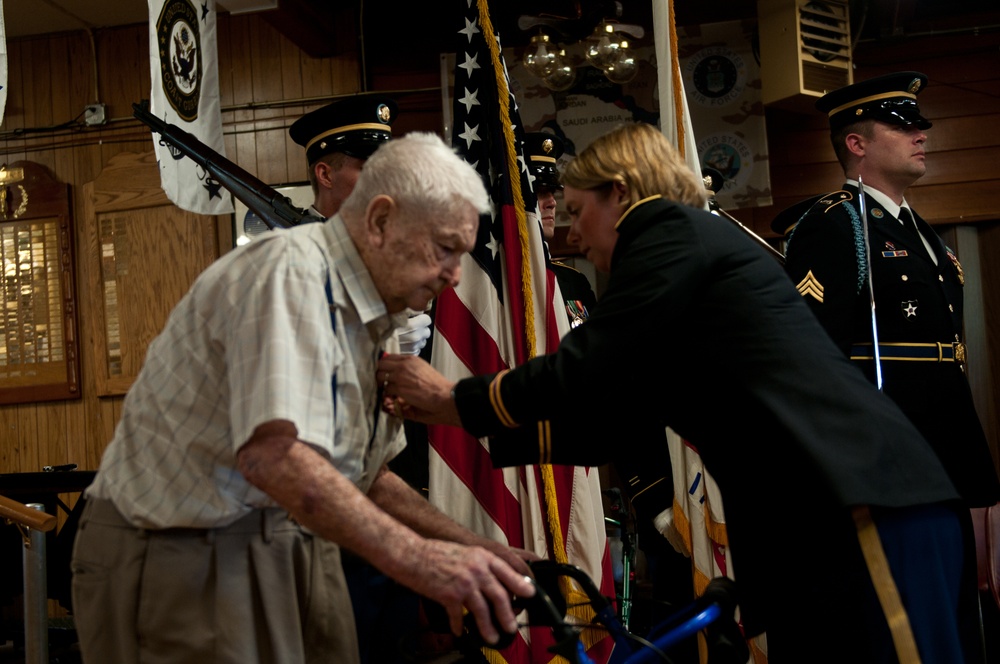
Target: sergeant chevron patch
{"x": 810, "y": 286}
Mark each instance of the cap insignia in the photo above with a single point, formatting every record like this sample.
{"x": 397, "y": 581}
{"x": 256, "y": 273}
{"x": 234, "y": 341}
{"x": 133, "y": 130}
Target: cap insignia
{"x": 859, "y": 111}
{"x": 547, "y": 145}
{"x": 914, "y": 86}
{"x": 322, "y": 146}
{"x": 383, "y": 113}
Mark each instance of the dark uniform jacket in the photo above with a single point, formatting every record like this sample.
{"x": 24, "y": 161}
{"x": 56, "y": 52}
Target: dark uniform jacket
{"x": 918, "y": 305}
{"x": 577, "y": 294}
{"x": 701, "y": 330}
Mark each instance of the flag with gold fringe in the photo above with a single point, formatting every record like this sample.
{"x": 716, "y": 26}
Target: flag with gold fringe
{"x": 501, "y": 314}
{"x": 183, "y": 62}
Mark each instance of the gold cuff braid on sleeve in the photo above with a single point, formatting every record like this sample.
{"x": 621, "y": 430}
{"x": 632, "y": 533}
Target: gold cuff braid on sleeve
{"x": 497, "y": 401}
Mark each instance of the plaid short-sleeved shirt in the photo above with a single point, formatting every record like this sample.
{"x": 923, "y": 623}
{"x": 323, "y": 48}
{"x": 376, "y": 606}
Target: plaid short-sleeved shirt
{"x": 253, "y": 341}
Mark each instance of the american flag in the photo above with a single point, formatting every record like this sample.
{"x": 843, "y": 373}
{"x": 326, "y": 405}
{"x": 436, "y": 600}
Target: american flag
{"x": 500, "y": 315}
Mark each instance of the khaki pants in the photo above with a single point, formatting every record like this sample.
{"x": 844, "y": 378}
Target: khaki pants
{"x": 260, "y": 590}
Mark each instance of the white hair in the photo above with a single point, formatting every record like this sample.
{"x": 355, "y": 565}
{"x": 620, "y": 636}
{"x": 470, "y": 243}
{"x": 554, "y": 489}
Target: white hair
{"x": 422, "y": 174}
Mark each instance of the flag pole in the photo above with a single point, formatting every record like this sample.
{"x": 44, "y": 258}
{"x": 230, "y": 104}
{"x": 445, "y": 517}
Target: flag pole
{"x": 871, "y": 288}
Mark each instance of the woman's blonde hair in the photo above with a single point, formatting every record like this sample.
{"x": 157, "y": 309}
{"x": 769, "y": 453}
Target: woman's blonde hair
{"x": 640, "y": 156}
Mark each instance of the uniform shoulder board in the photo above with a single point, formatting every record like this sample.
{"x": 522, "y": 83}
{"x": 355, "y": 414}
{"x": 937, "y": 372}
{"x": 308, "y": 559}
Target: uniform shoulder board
{"x": 786, "y": 220}
{"x": 568, "y": 267}
{"x": 829, "y": 201}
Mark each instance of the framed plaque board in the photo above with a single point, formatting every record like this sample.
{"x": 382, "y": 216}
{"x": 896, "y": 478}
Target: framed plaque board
{"x": 38, "y": 325}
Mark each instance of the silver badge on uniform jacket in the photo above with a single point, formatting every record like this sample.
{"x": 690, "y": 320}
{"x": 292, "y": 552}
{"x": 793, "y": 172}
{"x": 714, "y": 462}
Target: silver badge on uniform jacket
{"x": 909, "y": 308}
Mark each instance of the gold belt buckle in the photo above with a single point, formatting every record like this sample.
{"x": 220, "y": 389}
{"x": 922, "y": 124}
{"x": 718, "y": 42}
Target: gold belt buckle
{"x": 960, "y": 352}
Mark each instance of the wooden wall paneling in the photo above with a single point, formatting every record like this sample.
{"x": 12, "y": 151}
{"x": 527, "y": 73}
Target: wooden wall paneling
{"x": 27, "y": 419}
{"x": 10, "y": 459}
{"x": 291, "y": 88}
{"x": 318, "y": 77}
{"x": 944, "y": 100}
{"x": 13, "y": 113}
{"x": 63, "y": 107}
{"x": 222, "y": 38}
{"x": 99, "y": 421}
{"x": 123, "y": 56}
{"x": 803, "y": 180}
{"x": 38, "y": 100}
{"x": 960, "y": 166}
{"x": 91, "y": 429}
{"x": 956, "y": 202}
{"x": 50, "y": 428}
{"x": 38, "y": 85}
{"x": 345, "y": 75}
{"x": 87, "y": 166}
{"x": 240, "y": 65}
{"x": 80, "y": 77}
{"x": 76, "y": 431}
{"x": 147, "y": 252}
{"x": 266, "y": 73}
{"x": 241, "y": 72}
{"x": 962, "y": 133}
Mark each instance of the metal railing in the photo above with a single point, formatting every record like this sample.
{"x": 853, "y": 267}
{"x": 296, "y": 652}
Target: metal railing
{"x": 33, "y": 522}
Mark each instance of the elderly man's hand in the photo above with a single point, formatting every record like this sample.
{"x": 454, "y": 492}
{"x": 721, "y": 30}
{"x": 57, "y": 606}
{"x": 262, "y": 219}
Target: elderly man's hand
{"x": 471, "y": 578}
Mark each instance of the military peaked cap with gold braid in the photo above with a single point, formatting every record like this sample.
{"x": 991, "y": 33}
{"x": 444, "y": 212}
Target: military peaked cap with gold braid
{"x": 356, "y": 126}
{"x": 891, "y": 98}
{"x": 542, "y": 150}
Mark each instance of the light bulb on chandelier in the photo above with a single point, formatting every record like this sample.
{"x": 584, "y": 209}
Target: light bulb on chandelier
{"x": 624, "y": 67}
{"x": 540, "y": 56}
{"x": 563, "y": 76}
{"x": 601, "y": 48}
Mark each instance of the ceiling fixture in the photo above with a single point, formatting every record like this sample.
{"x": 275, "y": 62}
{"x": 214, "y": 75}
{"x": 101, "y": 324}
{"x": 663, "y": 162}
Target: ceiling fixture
{"x": 605, "y": 46}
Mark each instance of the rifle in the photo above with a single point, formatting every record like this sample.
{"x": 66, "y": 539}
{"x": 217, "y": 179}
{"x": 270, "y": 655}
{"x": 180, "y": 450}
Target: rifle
{"x": 274, "y": 209}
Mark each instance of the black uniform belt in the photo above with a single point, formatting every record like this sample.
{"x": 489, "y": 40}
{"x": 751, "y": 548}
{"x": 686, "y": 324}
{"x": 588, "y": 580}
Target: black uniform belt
{"x": 912, "y": 352}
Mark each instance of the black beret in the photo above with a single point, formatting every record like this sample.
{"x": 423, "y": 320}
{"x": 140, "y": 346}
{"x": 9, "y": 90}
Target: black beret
{"x": 542, "y": 150}
{"x": 891, "y": 98}
{"x": 355, "y": 126}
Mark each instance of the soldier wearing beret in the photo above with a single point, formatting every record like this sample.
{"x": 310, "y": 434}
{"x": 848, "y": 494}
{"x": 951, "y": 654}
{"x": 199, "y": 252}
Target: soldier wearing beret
{"x": 903, "y": 269}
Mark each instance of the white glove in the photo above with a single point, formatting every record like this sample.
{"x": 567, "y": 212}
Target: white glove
{"x": 414, "y": 336}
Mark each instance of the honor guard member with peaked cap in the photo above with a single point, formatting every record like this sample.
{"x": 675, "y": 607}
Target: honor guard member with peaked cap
{"x": 907, "y": 293}
{"x": 542, "y": 150}
{"x": 338, "y": 138}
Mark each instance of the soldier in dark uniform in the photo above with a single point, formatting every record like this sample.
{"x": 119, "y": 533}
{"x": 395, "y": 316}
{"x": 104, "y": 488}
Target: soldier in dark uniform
{"x": 647, "y": 486}
{"x": 542, "y": 150}
{"x": 916, "y": 281}
{"x": 843, "y": 526}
